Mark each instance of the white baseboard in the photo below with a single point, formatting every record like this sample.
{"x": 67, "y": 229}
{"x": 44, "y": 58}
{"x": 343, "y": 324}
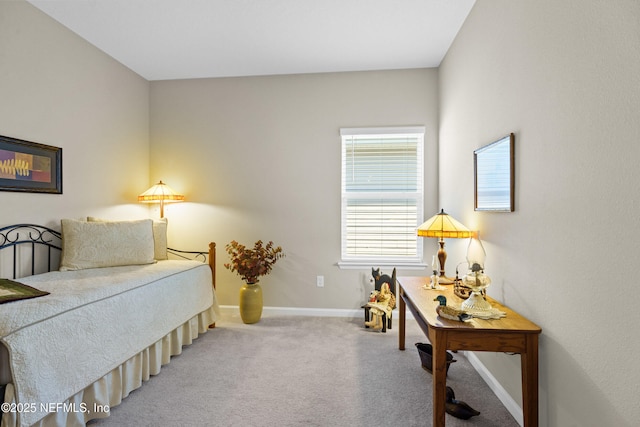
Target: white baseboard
{"x": 512, "y": 406}
{"x": 296, "y": 311}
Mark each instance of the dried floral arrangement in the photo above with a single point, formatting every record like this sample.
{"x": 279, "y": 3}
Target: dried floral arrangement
{"x": 250, "y": 264}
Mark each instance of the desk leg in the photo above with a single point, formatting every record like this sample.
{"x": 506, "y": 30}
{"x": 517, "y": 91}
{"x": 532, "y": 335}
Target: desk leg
{"x": 439, "y": 369}
{"x": 402, "y": 311}
{"x": 529, "y": 366}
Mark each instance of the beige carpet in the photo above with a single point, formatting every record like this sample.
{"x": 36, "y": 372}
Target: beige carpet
{"x": 301, "y": 371}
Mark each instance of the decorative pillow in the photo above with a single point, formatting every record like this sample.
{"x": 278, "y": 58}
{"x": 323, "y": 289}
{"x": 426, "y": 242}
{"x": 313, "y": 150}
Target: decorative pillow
{"x": 106, "y": 244}
{"x": 159, "y": 236}
{"x": 160, "y": 239}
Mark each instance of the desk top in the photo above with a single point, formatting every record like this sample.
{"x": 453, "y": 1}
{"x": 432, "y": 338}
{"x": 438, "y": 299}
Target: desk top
{"x": 423, "y": 302}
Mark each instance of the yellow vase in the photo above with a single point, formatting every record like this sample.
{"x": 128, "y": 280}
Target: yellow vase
{"x": 250, "y": 303}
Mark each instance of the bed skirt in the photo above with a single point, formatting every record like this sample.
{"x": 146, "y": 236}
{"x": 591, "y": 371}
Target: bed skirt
{"x": 96, "y": 399}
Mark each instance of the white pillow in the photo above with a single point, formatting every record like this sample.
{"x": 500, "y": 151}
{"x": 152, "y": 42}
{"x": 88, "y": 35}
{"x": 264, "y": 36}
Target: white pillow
{"x": 159, "y": 236}
{"x": 106, "y": 244}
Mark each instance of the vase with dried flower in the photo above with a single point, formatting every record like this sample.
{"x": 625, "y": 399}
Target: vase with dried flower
{"x": 250, "y": 264}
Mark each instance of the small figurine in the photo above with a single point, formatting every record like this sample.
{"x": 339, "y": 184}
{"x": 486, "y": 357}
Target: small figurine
{"x": 435, "y": 280}
{"x": 373, "y": 296}
{"x": 449, "y": 312}
{"x": 384, "y": 301}
{"x": 458, "y": 408}
{"x": 384, "y": 304}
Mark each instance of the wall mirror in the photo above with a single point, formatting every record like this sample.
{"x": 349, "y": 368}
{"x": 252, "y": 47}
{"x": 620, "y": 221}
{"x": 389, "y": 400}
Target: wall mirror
{"x": 493, "y": 167}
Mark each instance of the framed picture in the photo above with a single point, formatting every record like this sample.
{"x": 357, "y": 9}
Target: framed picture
{"x": 494, "y": 174}
{"x": 29, "y": 166}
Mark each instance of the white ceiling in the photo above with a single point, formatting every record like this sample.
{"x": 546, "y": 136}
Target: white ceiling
{"x": 180, "y": 39}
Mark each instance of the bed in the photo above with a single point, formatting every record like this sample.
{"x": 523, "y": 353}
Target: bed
{"x": 90, "y": 313}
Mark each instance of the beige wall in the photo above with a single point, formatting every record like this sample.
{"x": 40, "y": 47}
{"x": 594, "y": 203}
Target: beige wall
{"x": 57, "y": 89}
{"x": 565, "y": 78}
{"x": 259, "y": 158}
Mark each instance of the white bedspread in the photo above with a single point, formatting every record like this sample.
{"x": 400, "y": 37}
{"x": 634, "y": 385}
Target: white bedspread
{"x": 92, "y": 322}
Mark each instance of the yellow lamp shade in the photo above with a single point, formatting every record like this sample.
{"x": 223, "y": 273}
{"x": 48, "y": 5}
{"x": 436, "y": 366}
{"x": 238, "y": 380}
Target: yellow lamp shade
{"x": 443, "y": 226}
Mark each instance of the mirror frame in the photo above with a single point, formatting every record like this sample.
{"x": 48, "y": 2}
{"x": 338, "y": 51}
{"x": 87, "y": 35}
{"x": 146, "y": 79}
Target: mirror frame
{"x": 494, "y": 171}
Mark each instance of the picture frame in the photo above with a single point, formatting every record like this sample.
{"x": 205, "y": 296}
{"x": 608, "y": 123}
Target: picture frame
{"x": 494, "y": 176}
{"x": 30, "y": 167}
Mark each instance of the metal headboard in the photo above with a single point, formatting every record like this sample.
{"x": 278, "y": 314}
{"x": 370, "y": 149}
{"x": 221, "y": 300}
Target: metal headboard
{"x": 15, "y": 236}
{"x": 192, "y": 255}
{"x": 34, "y": 236}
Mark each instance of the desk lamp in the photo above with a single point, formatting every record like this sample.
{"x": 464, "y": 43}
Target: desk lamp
{"x": 161, "y": 193}
{"x": 442, "y": 225}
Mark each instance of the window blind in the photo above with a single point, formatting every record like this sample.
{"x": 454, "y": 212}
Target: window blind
{"x": 382, "y": 194}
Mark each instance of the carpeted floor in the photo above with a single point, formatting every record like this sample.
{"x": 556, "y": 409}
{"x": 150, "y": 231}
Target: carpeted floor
{"x": 301, "y": 371}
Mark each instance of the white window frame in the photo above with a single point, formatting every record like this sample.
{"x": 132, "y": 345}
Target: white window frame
{"x": 414, "y": 260}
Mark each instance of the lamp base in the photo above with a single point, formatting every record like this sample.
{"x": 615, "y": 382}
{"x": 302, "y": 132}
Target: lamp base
{"x": 475, "y": 302}
{"x": 445, "y": 280}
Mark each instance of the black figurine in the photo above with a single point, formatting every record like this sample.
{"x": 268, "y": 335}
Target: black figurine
{"x": 458, "y": 408}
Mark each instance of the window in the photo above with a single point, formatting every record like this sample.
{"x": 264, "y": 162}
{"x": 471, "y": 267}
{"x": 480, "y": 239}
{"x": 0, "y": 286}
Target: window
{"x": 382, "y": 195}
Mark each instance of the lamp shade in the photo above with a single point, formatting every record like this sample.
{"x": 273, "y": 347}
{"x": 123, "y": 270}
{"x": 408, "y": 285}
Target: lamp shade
{"x": 443, "y": 226}
{"x": 160, "y": 192}
{"x": 476, "y": 254}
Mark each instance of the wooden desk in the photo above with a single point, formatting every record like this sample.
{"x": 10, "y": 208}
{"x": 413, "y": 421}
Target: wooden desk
{"x": 512, "y": 333}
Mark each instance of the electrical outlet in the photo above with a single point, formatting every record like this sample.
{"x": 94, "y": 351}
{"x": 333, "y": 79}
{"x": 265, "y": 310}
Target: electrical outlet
{"x": 320, "y": 281}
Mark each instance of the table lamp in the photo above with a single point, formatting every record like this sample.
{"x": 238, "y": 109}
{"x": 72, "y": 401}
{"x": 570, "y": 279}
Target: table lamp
{"x": 475, "y": 279}
{"x": 160, "y": 193}
{"x": 442, "y": 225}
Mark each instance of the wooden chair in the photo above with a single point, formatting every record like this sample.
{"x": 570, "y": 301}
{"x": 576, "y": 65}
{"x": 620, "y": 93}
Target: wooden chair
{"x": 386, "y": 323}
